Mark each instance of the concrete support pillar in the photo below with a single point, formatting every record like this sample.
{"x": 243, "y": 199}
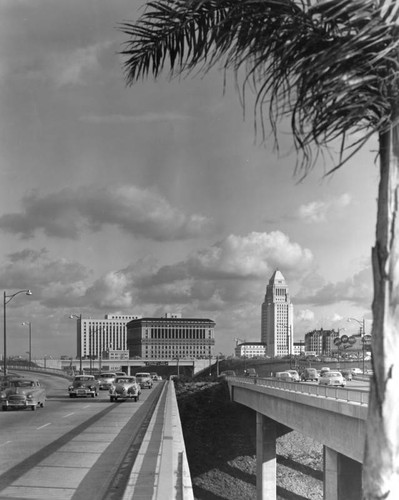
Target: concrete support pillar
{"x": 342, "y": 476}
{"x": 266, "y": 435}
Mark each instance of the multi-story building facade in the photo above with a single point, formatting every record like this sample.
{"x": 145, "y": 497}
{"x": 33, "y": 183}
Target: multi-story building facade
{"x": 277, "y": 328}
{"x": 250, "y": 350}
{"x": 171, "y": 337}
{"x": 97, "y": 337}
{"x": 321, "y": 342}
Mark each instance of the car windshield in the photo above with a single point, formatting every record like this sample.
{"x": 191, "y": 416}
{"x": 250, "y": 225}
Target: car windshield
{"x": 333, "y": 374}
{"x": 125, "y": 380}
{"x": 107, "y": 375}
{"x": 83, "y": 379}
{"x": 22, "y": 383}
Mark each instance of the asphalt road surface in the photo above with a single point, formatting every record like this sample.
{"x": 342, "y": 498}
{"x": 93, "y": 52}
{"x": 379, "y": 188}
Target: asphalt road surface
{"x": 71, "y": 448}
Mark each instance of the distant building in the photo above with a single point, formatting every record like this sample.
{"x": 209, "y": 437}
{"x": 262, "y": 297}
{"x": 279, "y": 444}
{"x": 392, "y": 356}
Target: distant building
{"x": 321, "y": 342}
{"x": 250, "y": 350}
{"x": 97, "y": 336}
{"x": 299, "y": 348}
{"x": 277, "y": 329}
{"x": 170, "y": 337}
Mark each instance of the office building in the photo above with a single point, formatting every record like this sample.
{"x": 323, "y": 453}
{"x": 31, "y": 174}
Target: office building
{"x": 277, "y": 329}
{"x": 320, "y": 342}
{"x": 171, "y": 337}
{"x": 97, "y": 337}
{"x": 250, "y": 350}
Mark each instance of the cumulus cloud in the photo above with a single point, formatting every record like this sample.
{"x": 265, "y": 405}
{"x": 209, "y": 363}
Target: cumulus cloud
{"x": 136, "y": 211}
{"x": 305, "y": 315}
{"x": 232, "y": 271}
{"x": 319, "y": 211}
{"x": 356, "y": 290}
{"x": 52, "y": 280}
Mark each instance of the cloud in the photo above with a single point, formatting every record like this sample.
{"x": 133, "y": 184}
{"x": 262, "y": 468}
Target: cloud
{"x": 319, "y": 211}
{"x": 357, "y": 290}
{"x": 304, "y": 315}
{"x": 232, "y": 271}
{"x": 46, "y": 277}
{"x": 139, "y": 212}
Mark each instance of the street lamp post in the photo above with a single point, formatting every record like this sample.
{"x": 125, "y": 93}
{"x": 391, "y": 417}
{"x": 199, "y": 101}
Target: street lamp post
{"x": 6, "y": 300}
{"x": 79, "y": 318}
{"x": 362, "y": 324}
{"x": 30, "y": 340}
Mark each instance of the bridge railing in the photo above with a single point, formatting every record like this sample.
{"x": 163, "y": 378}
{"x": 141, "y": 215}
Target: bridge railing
{"x": 341, "y": 393}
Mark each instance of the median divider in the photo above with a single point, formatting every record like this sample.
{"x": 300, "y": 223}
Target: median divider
{"x": 161, "y": 469}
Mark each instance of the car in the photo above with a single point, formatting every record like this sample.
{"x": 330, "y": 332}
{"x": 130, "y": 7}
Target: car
{"x": 309, "y": 374}
{"x": 23, "y": 393}
{"x": 356, "y": 371}
{"x": 121, "y": 374}
{"x": 332, "y": 378}
{"x": 144, "y": 379}
{"x": 155, "y": 377}
{"x": 106, "y": 379}
{"x": 84, "y": 386}
{"x": 324, "y": 370}
{"x": 347, "y": 374}
{"x": 125, "y": 387}
{"x": 250, "y": 372}
{"x": 294, "y": 375}
{"x": 284, "y": 376}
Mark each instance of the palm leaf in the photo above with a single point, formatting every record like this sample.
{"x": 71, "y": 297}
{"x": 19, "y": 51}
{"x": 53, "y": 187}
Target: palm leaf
{"x": 331, "y": 65}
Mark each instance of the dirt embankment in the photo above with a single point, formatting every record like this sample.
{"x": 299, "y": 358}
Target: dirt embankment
{"x": 221, "y": 450}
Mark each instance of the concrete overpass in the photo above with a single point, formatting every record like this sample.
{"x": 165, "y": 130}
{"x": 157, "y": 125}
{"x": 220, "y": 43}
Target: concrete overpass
{"x": 334, "y": 417}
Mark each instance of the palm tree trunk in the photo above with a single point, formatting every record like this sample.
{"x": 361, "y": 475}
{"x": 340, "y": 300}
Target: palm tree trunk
{"x": 381, "y": 460}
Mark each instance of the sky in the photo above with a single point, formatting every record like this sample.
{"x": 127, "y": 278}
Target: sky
{"x": 159, "y": 197}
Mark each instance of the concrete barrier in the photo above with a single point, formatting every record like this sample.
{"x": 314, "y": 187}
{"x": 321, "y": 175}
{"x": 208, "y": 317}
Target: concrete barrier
{"x": 161, "y": 469}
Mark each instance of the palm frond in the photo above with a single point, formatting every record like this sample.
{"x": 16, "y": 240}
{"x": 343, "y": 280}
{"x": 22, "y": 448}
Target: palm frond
{"x": 331, "y": 65}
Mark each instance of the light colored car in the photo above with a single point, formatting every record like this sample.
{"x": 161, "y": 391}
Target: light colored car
{"x": 23, "y": 393}
{"x": 155, "y": 377}
{"x": 356, "y": 371}
{"x": 332, "y": 378}
{"x": 294, "y": 375}
{"x": 120, "y": 374}
{"x": 284, "y": 376}
{"x": 124, "y": 388}
{"x": 144, "y": 379}
{"x": 84, "y": 386}
{"x": 250, "y": 372}
{"x": 106, "y": 379}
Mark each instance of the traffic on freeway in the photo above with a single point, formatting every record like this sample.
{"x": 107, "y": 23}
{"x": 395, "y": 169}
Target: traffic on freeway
{"x": 69, "y": 447}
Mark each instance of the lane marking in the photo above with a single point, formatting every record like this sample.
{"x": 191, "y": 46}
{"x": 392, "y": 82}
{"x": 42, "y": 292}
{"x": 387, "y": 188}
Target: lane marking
{"x": 41, "y": 427}
{"x": 69, "y": 414}
{"x": 3, "y": 444}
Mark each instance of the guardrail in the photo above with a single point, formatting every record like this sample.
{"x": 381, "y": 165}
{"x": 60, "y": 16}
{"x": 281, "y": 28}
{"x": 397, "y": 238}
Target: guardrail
{"x": 40, "y": 369}
{"x": 340, "y": 393}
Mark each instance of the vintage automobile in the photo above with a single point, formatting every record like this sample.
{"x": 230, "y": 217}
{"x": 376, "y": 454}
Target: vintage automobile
{"x": 23, "y": 393}
{"x": 83, "y": 386}
{"x": 125, "y": 387}
{"x": 144, "y": 379}
{"x": 332, "y": 378}
{"x": 106, "y": 379}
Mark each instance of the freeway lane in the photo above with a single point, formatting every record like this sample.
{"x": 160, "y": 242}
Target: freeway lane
{"x": 69, "y": 449}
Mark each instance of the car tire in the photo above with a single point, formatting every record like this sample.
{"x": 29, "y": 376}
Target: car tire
{"x": 42, "y": 404}
{"x": 112, "y": 399}
{"x": 33, "y": 407}
{"x": 5, "y": 408}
